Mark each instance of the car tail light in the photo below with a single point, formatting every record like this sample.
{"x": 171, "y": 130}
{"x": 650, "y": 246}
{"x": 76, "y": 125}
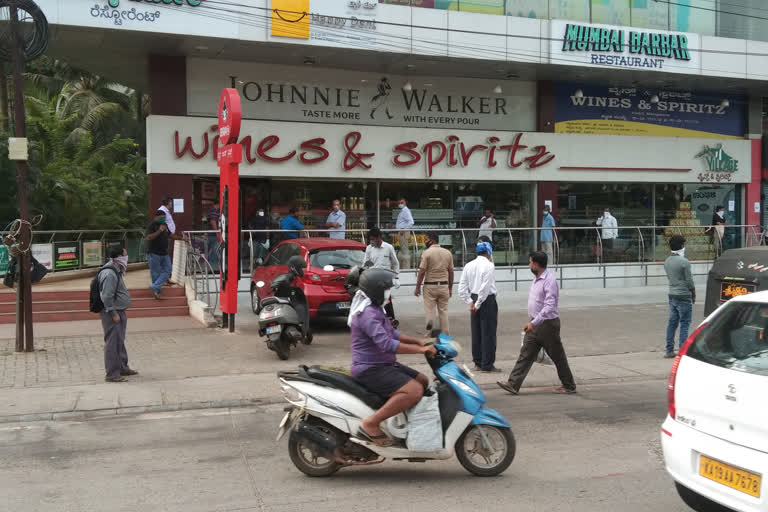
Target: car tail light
{"x": 673, "y": 372}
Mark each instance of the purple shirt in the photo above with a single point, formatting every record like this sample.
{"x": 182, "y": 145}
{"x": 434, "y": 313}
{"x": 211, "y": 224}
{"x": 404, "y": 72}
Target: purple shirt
{"x": 374, "y": 341}
{"x": 543, "y": 298}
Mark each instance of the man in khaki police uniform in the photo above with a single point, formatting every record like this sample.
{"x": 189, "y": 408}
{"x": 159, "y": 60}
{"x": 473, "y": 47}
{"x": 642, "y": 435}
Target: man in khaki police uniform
{"x": 436, "y": 274}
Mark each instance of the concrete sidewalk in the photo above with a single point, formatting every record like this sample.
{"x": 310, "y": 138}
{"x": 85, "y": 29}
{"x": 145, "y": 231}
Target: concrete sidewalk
{"x": 610, "y": 335}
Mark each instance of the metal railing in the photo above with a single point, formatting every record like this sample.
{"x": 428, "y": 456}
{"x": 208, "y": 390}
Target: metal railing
{"x": 572, "y": 246}
{"x": 200, "y": 272}
{"x": 49, "y": 244}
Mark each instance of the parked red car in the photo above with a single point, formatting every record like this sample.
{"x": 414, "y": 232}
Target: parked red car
{"x": 324, "y": 289}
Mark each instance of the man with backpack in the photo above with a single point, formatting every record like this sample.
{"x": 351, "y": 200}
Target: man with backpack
{"x": 110, "y": 298}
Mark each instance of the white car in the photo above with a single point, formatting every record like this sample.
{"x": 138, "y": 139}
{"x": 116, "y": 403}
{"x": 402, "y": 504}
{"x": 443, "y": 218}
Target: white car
{"x": 715, "y": 436}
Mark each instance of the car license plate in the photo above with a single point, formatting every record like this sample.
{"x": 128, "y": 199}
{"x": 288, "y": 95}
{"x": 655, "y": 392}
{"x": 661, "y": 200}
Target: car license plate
{"x": 342, "y": 305}
{"x": 735, "y": 478}
{"x": 272, "y": 329}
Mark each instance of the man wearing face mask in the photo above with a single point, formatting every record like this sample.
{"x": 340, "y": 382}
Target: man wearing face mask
{"x": 718, "y": 229}
{"x": 404, "y": 224}
{"x": 477, "y": 288}
{"x": 380, "y": 254}
{"x": 542, "y": 330}
{"x": 436, "y": 272}
{"x": 610, "y": 232}
{"x": 259, "y": 222}
{"x": 337, "y": 221}
{"x": 116, "y": 299}
{"x": 682, "y": 293}
{"x": 157, "y": 253}
{"x": 547, "y": 234}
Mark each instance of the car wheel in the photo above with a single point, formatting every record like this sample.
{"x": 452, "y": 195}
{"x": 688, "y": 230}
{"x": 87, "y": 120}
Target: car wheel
{"x": 698, "y": 502}
{"x": 255, "y": 302}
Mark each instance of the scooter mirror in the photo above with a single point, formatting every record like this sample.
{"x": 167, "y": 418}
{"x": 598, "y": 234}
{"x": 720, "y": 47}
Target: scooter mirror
{"x": 260, "y": 284}
{"x": 328, "y": 268}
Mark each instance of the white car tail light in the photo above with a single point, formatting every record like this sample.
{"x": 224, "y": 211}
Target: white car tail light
{"x": 673, "y": 372}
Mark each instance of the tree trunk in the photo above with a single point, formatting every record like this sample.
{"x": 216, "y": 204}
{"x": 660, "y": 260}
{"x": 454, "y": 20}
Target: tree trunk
{"x": 4, "y": 117}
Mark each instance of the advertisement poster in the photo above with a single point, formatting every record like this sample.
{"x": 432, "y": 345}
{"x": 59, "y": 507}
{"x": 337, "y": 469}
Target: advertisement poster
{"x": 4, "y": 260}
{"x": 43, "y": 253}
{"x": 65, "y": 255}
{"x": 93, "y": 254}
{"x": 604, "y": 110}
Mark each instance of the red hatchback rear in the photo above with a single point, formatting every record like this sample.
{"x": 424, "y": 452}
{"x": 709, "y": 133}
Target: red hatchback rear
{"x": 324, "y": 289}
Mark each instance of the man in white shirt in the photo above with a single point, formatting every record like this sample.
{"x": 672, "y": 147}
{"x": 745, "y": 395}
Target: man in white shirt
{"x": 487, "y": 224}
{"x": 380, "y": 254}
{"x": 610, "y": 232}
{"x": 477, "y": 288}
{"x": 166, "y": 205}
{"x": 337, "y": 221}
{"x": 404, "y": 224}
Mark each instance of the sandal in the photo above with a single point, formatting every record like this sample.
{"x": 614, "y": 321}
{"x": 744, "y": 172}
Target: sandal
{"x": 368, "y": 437}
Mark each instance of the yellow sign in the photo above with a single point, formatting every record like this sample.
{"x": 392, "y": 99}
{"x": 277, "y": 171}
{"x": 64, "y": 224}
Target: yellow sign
{"x": 290, "y": 18}
{"x": 735, "y": 478}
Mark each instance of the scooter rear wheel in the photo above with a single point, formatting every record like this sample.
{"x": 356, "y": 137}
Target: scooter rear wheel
{"x": 283, "y": 348}
{"x": 309, "y": 463}
{"x": 482, "y": 460}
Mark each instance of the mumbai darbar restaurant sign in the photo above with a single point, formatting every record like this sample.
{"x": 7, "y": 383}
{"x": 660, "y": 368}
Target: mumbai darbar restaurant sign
{"x": 452, "y": 152}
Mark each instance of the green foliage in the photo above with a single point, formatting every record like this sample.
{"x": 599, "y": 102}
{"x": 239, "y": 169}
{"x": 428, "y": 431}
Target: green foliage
{"x": 85, "y": 169}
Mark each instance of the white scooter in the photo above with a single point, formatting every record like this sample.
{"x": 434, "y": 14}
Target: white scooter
{"x": 327, "y": 408}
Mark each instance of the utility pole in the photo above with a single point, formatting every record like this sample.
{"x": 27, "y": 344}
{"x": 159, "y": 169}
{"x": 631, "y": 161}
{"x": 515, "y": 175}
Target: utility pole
{"x": 24, "y": 287}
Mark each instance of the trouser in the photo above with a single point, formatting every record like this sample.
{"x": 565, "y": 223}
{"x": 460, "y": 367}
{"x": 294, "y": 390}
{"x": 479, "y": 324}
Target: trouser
{"x": 437, "y": 296}
{"x": 545, "y": 335}
{"x": 680, "y": 311}
{"x": 213, "y": 251}
{"x": 483, "y": 324}
{"x": 546, "y": 248}
{"x": 404, "y": 255}
{"x": 607, "y": 249}
{"x": 159, "y": 270}
{"x": 115, "y": 355}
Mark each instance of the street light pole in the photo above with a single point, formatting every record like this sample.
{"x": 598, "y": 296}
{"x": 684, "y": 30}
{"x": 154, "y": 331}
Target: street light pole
{"x": 24, "y": 288}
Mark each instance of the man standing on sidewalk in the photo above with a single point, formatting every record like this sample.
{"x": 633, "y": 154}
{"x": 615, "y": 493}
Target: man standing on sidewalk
{"x": 115, "y": 297}
{"x": 548, "y": 235}
{"x": 682, "y": 293}
{"x": 404, "y": 224}
{"x": 610, "y": 232}
{"x": 542, "y": 331}
{"x": 337, "y": 221}
{"x": 477, "y": 287}
{"x": 436, "y": 273}
{"x": 157, "y": 253}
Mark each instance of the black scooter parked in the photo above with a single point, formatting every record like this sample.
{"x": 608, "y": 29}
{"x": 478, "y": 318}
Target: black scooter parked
{"x": 284, "y": 315}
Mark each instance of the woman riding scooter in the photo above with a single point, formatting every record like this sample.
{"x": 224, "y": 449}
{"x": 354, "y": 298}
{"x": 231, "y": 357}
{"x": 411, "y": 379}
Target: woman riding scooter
{"x": 375, "y": 344}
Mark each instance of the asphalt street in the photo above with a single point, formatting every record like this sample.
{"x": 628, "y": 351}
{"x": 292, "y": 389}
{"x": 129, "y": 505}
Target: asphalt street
{"x": 595, "y": 451}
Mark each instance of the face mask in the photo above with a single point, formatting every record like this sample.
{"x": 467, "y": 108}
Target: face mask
{"x": 261, "y": 214}
{"x": 546, "y": 213}
{"x": 720, "y": 214}
{"x": 680, "y": 253}
{"x": 123, "y": 262}
{"x": 401, "y": 206}
{"x": 161, "y": 220}
{"x": 607, "y": 213}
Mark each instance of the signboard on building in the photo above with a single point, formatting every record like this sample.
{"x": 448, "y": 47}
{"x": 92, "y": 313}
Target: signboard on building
{"x": 93, "y": 253}
{"x": 65, "y": 255}
{"x": 188, "y": 145}
{"x": 347, "y": 97}
{"x": 651, "y": 112}
{"x": 43, "y": 253}
{"x": 624, "y": 47}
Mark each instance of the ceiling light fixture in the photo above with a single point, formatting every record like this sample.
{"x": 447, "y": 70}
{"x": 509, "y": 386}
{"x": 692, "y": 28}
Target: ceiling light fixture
{"x": 497, "y": 89}
{"x": 578, "y": 94}
{"x": 654, "y": 99}
{"x": 407, "y": 86}
{"x": 725, "y": 103}
{"x": 201, "y": 48}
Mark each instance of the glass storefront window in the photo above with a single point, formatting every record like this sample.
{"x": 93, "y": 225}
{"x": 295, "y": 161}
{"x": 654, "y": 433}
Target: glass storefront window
{"x": 580, "y": 205}
{"x": 611, "y": 12}
{"x": 650, "y": 14}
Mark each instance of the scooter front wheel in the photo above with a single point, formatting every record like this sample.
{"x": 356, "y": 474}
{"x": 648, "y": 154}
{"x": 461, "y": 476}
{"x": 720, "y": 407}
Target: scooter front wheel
{"x": 485, "y": 450}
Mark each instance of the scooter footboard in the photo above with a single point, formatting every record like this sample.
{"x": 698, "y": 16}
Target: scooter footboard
{"x": 488, "y": 416}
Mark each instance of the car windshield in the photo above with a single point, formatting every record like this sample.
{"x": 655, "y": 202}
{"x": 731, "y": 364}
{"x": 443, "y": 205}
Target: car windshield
{"x": 736, "y": 339}
{"x": 338, "y": 258}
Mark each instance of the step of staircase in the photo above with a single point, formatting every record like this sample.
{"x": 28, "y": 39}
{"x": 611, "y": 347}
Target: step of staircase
{"x": 71, "y": 305}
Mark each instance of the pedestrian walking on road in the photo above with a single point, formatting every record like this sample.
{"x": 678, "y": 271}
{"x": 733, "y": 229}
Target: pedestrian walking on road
{"x": 542, "y": 330}
{"x": 477, "y": 287}
{"x": 380, "y": 254}
{"x": 682, "y": 293}
{"x": 116, "y": 299}
{"x": 158, "y": 259}
{"x": 404, "y": 224}
{"x": 337, "y": 221}
{"x": 548, "y": 235}
{"x": 436, "y": 274}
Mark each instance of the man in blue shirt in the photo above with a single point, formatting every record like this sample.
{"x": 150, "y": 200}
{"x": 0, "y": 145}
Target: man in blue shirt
{"x": 291, "y": 222}
{"x": 547, "y": 235}
{"x": 337, "y": 221}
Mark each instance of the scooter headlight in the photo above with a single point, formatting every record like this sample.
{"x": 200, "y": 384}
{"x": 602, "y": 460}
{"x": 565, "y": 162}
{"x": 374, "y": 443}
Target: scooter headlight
{"x": 293, "y": 395}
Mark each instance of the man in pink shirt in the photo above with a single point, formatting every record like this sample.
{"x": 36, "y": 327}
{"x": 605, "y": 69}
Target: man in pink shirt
{"x": 542, "y": 331}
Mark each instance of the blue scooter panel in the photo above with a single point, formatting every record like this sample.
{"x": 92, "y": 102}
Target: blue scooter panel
{"x": 487, "y": 416}
{"x": 471, "y": 396}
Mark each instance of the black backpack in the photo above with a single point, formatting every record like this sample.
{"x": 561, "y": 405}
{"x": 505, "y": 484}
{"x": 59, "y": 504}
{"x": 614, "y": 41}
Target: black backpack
{"x": 96, "y": 305}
